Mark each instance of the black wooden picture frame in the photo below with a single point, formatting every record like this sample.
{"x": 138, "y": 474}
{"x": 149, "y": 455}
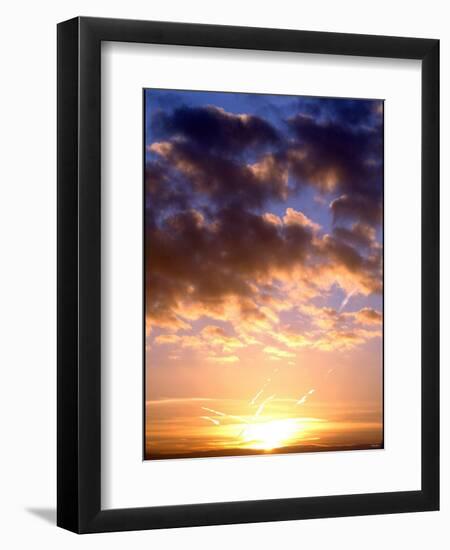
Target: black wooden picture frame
{"x": 79, "y": 275}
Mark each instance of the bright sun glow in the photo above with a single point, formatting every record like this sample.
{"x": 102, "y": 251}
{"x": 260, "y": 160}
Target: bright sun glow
{"x": 269, "y": 435}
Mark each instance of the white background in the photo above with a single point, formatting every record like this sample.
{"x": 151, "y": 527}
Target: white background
{"x": 28, "y": 244}
{"x": 127, "y": 481}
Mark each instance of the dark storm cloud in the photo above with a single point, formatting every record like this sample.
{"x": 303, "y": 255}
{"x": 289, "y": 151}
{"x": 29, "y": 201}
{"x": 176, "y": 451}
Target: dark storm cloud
{"x": 332, "y": 156}
{"x": 367, "y": 209}
{"x": 224, "y": 180}
{"x": 345, "y": 112}
{"x": 359, "y": 235}
{"x": 213, "y": 129}
{"x": 343, "y": 253}
{"x": 211, "y": 261}
{"x": 164, "y": 190}
{"x": 366, "y": 268}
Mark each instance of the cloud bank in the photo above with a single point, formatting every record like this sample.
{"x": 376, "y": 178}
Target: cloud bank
{"x": 255, "y": 222}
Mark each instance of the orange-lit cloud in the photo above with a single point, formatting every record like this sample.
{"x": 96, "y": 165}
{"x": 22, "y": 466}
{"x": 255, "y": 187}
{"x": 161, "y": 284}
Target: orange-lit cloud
{"x": 277, "y": 352}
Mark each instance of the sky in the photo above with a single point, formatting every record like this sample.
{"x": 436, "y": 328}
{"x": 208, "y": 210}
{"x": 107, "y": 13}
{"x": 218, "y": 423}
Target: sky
{"x": 263, "y": 266}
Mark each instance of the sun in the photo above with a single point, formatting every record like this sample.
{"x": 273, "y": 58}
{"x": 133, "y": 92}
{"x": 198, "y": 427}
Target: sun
{"x": 269, "y": 435}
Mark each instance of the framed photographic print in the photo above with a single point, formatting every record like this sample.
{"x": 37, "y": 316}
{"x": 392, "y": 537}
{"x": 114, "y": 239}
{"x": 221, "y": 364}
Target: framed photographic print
{"x": 248, "y": 289}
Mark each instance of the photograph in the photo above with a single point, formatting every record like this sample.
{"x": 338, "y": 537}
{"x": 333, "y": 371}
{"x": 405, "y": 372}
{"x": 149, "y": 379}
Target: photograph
{"x": 263, "y": 274}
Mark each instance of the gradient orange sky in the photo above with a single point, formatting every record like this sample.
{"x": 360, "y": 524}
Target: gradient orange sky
{"x": 263, "y": 274}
